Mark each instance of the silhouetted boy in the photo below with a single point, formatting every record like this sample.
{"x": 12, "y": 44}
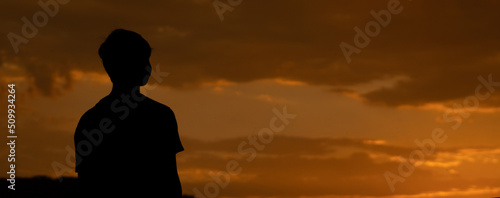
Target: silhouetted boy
{"x": 126, "y": 144}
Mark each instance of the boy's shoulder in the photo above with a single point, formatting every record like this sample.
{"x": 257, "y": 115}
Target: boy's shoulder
{"x": 105, "y": 108}
{"x": 155, "y": 105}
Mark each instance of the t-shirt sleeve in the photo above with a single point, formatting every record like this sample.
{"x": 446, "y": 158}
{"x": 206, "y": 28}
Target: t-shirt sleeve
{"x": 176, "y": 145}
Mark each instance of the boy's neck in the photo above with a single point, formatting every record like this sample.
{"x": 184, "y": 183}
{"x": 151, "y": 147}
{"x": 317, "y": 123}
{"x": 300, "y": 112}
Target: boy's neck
{"x": 119, "y": 90}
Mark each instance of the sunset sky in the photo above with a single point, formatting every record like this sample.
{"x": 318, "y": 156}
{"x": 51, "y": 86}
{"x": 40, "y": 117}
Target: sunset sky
{"x": 435, "y": 65}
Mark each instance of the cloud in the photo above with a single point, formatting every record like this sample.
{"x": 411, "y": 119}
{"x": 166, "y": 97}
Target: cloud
{"x": 441, "y": 52}
{"x": 464, "y": 193}
{"x": 287, "y": 167}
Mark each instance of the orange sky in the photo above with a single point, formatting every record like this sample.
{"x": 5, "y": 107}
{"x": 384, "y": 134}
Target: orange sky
{"x": 354, "y": 121}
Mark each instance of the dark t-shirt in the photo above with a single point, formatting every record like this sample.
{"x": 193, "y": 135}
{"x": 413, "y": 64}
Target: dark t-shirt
{"x": 126, "y": 145}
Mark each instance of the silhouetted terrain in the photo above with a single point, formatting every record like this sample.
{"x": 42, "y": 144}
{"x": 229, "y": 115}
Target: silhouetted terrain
{"x": 43, "y": 187}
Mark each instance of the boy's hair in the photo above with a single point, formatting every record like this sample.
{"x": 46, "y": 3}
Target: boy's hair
{"x": 124, "y": 54}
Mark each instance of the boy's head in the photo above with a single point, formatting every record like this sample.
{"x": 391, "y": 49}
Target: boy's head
{"x": 125, "y": 56}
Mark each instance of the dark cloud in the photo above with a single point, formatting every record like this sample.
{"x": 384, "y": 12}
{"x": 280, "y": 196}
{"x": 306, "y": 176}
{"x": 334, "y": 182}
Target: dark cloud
{"x": 440, "y": 46}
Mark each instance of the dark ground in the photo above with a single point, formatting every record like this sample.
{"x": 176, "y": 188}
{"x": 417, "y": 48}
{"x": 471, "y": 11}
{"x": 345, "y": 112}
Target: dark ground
{"x": 42, "y": 187}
